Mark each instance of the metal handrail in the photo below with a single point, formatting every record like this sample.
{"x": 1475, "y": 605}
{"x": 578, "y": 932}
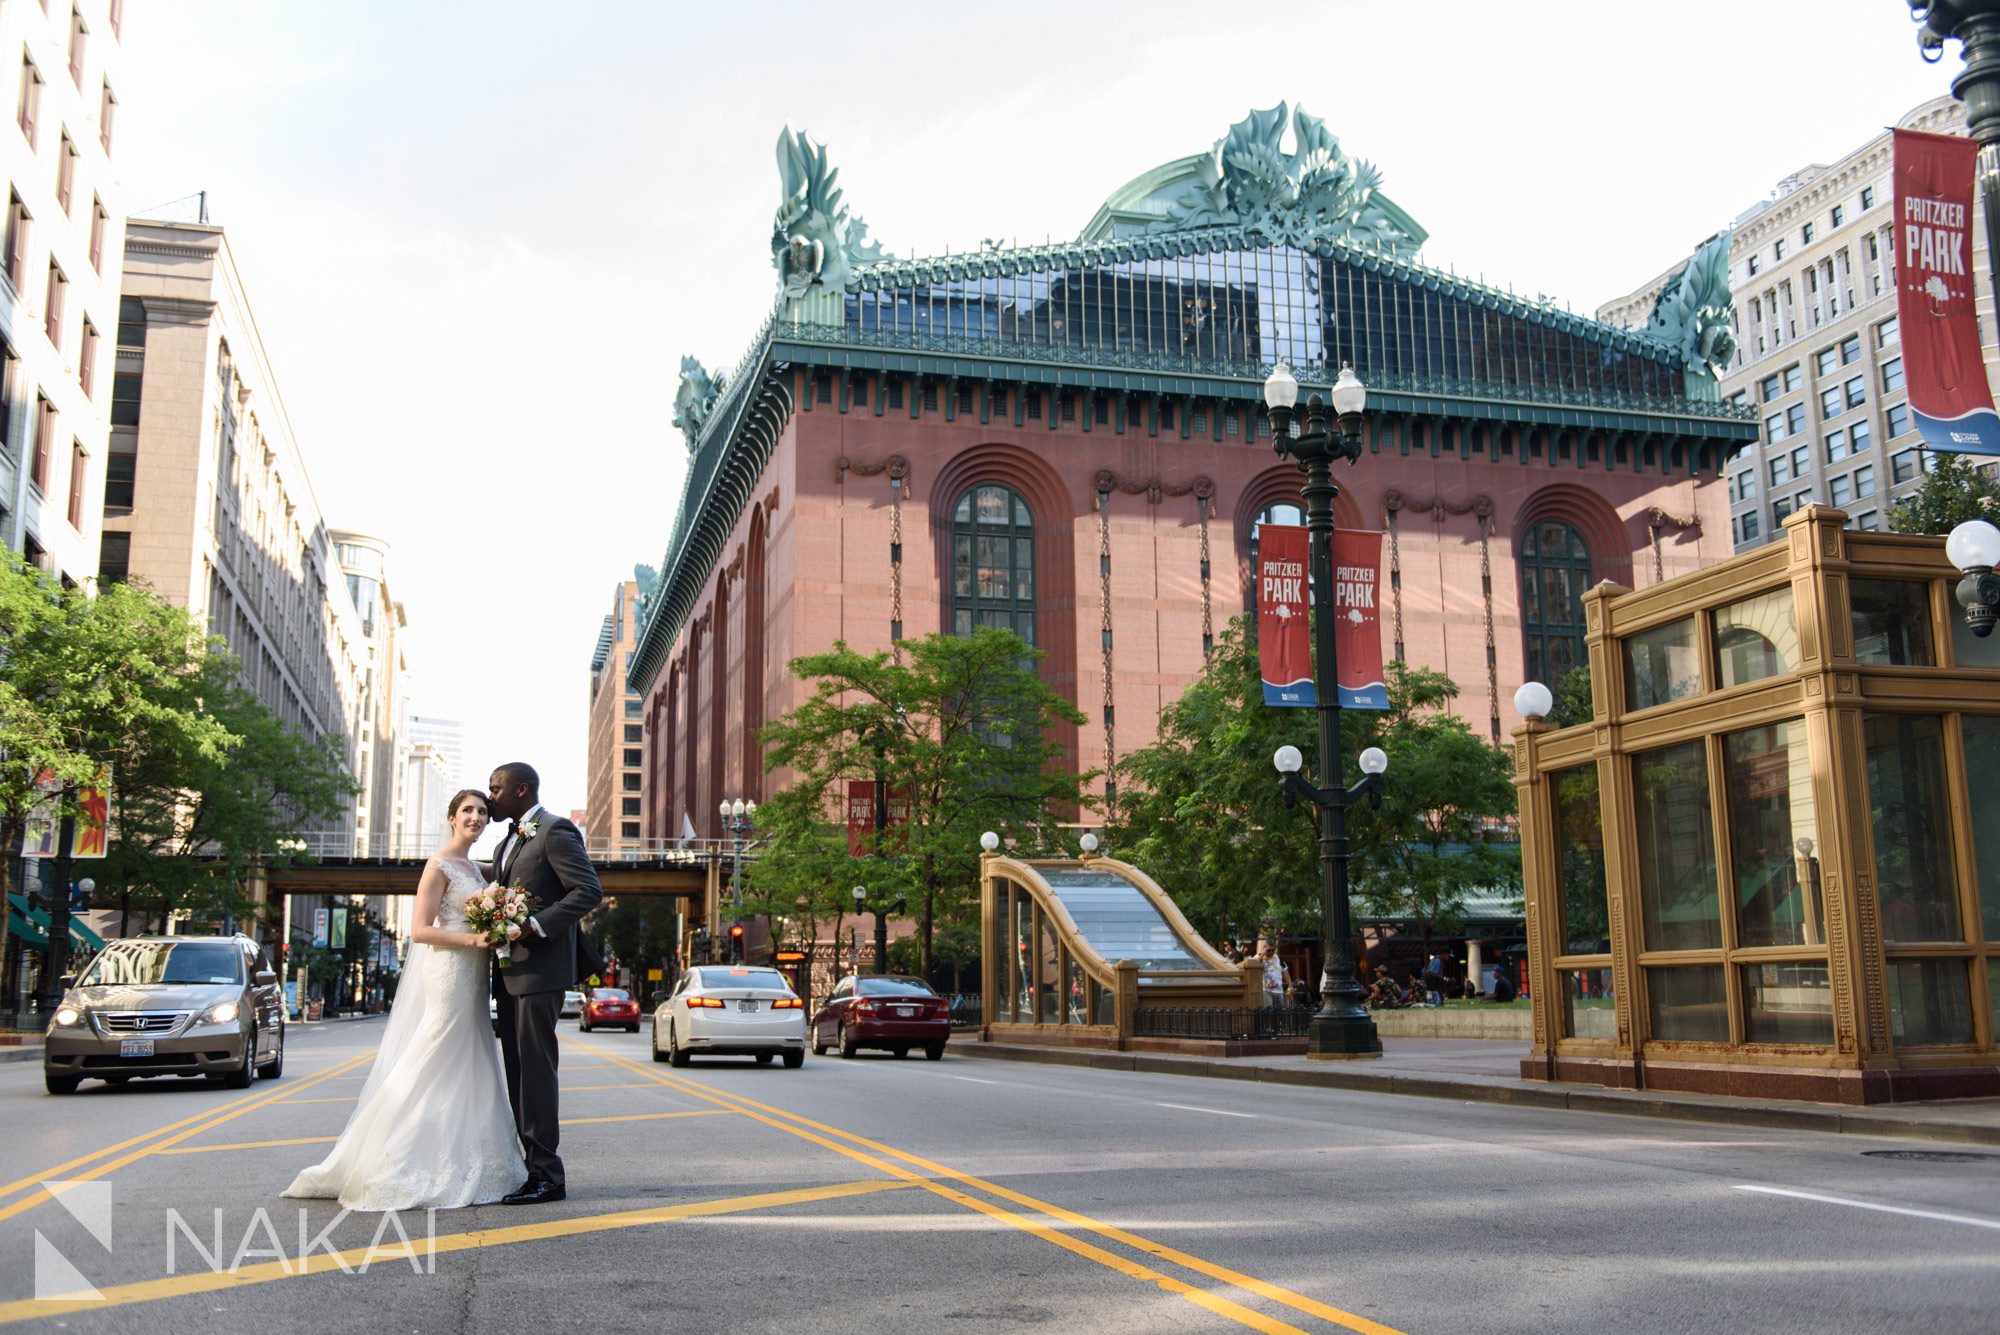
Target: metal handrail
{"x": 321, "y": 846}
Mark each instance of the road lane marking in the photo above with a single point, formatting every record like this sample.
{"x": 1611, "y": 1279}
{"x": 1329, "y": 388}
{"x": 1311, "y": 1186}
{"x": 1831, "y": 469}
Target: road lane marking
{"x": 578, "y": 1089}
{"x": 339, "y": 1098}
{"x": 227, "y": 1114}
{"x": 1214, "y": 1302}
{"x": 320, "y": 1262}
{"x": 1188, "y": 1107}
{"x": 1941, "y": 1215}
{"x": 250, "y": 1145}
{"x": 648, "y": 1117}
{"x": 975, "y": 1080}
{"x": 35, "y": 1179}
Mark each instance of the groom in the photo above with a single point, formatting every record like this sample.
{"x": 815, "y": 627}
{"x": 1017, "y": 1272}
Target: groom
{"x": 544, "y": 855}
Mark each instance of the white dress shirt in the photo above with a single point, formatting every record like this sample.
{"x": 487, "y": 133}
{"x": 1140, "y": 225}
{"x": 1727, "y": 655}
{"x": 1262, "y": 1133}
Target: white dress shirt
{"x": 515, "y": 837}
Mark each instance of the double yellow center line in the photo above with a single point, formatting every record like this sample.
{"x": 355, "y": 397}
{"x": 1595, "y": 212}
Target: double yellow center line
{"x": 887, "y": 1159}
{"x": 87, "y": 1167}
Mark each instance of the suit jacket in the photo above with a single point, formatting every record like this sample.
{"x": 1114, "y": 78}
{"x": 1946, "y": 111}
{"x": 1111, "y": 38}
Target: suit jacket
{"x": 562, "y": 886}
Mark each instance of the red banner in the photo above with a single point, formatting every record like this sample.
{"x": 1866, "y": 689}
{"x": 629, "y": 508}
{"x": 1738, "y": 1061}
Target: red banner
{"x": 1357, "y": 580}
{"x": 861, "y": 820}
{"x": 1950, "y": 400}
{"x": 1284, "y": 645}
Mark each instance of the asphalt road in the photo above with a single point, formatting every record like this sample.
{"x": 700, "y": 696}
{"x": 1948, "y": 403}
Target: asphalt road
{"x": 885, "y": 1195}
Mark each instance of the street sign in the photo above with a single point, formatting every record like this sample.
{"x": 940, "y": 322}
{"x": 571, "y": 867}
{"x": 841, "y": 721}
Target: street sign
{"x": 652, "y": 975}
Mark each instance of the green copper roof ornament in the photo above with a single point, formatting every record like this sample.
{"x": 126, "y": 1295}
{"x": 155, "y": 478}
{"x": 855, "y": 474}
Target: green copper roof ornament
{"x": 1314, "y": 193}
{"x": 695, "y": 401}
{"x": 1693, "y": 315}
{"x": 814, "y": 239}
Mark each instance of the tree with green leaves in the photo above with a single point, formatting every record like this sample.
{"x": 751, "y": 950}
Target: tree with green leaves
{"x": 1442, "y": 831}
{"x": 962, "y": 730}
{"x": 98, "y": 680}
{"x": 1952, "y": 492}
{"x": 1204, "y": 815}
{"x": 190, "y": 826}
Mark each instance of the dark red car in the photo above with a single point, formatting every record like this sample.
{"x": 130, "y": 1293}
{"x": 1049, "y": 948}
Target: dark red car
{"x": 609, "y": 1008}
{"x": 882, "y": 1011}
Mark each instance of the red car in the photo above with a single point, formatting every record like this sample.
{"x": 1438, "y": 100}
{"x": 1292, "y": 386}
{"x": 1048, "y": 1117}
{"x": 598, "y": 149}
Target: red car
{"x": 882, "y": 1011}
{"x": 609, "y": 1008}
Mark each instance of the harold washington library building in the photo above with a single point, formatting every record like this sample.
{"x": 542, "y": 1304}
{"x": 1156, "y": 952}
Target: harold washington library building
{"x": 1070, "y": 440}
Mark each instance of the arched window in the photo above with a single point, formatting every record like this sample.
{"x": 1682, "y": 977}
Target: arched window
{"x": 1555, "y": 572}
{"x": 993, "y": 562}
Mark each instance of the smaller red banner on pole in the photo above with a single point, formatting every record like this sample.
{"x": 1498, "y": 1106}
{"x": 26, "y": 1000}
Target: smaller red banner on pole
{"x": 1357, "y": 578}
{"x": 861, "y": 820}
{"x": 1936, "y": 294}
{"x": 1284, "y": 644}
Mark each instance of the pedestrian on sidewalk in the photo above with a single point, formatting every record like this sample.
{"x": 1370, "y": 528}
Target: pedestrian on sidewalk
{"x": 1277, "y": 978}
{"x": 1434, "y": 983}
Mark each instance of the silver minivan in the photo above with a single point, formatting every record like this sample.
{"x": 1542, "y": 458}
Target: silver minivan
{"x": 168, "y": 1005}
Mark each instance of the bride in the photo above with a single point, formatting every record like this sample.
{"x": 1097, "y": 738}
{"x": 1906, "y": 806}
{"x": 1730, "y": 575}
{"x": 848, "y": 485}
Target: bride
{"x": 433, "y": 1127}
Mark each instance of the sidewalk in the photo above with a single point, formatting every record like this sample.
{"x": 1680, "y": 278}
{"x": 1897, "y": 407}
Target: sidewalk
{"x": 1487, "y": 1070}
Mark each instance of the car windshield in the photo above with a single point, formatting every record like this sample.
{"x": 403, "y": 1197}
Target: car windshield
{"x": 142, "y": 962}
{"x": 610, "y": 994}
{"x": 769, "y": 978}
{"x": 895, "y": 987}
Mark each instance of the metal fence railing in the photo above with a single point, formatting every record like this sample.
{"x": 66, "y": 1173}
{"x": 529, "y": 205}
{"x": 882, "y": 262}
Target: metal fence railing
{"x": 1222, "y": 1023}
{"x": 319, "y": 846}
{"x": 967, "y": 1010}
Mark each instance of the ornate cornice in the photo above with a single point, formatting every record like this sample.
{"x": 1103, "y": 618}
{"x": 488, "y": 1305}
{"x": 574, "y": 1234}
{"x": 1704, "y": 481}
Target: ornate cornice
{"x": 1152, "y": 488}
{"x": 1436, "y": 506}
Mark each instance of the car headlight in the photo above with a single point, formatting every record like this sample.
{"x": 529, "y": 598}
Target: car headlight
{"x": 222, "y": 1012}
{"x": 68, "y": 1015}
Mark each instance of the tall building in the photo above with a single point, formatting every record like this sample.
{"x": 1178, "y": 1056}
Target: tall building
{"x": 616, "y": 746}
{"x": 1818, "y": 356}
{"x": 446, "y": 736}
{"x": 210, "y": 504}
{"x": 60, "y": 258}
{"x": 379, "y": 822}
{"x": 1070, "y": 440}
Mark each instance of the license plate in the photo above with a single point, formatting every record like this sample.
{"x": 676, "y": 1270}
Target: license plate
{"x": 906, "y": 1011}
{"x": 746, "y": 1005}
{"x": 135, "y": 1047}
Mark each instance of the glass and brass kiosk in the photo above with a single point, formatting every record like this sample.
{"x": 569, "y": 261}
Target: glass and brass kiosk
{"x": 1074, "y": 949}
{"x": 1769, "y": 864}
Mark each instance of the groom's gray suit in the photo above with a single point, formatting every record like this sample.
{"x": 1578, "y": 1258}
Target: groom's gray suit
{"x": 552, "y": 866}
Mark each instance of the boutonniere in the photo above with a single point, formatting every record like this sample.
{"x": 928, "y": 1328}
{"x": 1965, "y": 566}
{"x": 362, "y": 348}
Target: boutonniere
{"x": 528, "y": 829}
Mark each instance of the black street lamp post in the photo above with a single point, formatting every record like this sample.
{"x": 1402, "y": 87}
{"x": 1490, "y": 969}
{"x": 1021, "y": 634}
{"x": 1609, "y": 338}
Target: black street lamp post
{"x": 739, "y": 818}
{"x": 1342, "y": 1027}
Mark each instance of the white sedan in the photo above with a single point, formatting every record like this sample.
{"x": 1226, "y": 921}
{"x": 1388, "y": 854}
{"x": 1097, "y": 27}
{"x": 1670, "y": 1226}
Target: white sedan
{"x": 730, "y": 1009}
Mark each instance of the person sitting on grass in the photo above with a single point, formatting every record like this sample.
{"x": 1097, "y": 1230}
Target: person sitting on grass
{"x": 1503, "y": 987}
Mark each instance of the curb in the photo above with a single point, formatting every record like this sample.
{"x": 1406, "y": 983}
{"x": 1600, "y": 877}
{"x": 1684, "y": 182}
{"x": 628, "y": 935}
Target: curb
{"x": 21, "y": 1052}
{"x": 1805, "y": 1117}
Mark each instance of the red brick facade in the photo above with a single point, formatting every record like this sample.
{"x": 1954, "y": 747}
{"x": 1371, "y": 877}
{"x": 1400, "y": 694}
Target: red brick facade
{"x": 809, "y": 560}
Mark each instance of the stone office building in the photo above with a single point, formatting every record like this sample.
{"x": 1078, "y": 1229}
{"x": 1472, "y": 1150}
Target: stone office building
{"x": 1069, "y": 440}
{"x": 1819, "y": 357}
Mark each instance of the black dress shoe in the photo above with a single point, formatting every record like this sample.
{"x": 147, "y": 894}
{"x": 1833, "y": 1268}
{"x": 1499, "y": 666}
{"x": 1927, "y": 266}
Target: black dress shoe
{"x": 537, "y": 1191}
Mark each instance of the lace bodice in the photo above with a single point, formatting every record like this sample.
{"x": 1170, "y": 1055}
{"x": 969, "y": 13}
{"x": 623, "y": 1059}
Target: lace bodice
{"x": 462, "y": 879}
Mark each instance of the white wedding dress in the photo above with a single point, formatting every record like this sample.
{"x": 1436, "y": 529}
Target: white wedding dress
{"x": 432, "y": 1128}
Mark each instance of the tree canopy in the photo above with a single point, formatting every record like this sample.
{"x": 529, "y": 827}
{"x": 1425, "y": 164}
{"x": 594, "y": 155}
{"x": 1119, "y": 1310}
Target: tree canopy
{"x": 1951, "y": 493}
{"x": 1201, "y": 809}
{"x": 964, "y": 733}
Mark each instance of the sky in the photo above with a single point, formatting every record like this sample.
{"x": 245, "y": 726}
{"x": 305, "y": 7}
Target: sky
{"x": 478, "y": 237}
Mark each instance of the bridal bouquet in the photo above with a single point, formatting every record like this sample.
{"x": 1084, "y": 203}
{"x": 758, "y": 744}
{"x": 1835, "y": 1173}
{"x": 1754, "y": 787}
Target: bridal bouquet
{"x": 500, "y": 914}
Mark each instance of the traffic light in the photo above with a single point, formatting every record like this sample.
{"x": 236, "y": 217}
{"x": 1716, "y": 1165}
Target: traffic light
{"x": 736, "y": 943}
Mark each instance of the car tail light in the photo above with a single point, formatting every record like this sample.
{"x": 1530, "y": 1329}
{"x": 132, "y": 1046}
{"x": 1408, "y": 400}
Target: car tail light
{"x": 864, "y": 1008}
{"x": 712, "y": 1003}
{"x": 788, "y": 1004}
